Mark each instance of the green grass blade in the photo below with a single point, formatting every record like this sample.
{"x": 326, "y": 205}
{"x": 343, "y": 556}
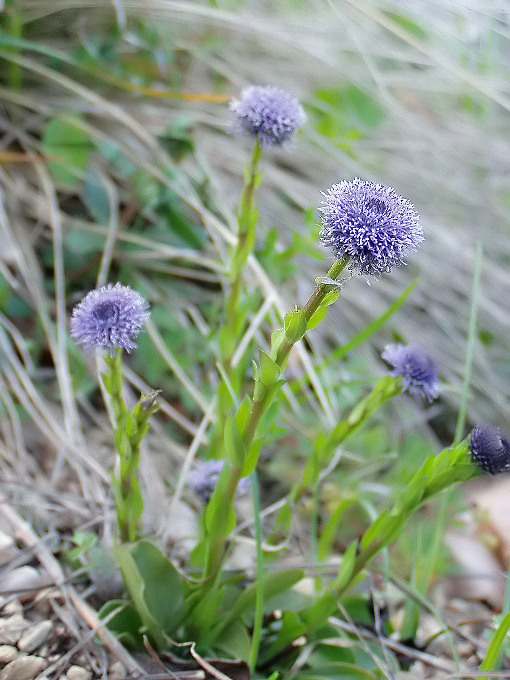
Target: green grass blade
{"x": 373, "y": 326}
{"x": 259, "y": 600}
{"x": 470, "y": 346}
{"x": 493, "y": 655}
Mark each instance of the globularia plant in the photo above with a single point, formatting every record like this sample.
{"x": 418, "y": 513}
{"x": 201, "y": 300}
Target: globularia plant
{"x": 109, "y": 319}
{"x": 370, "y": 229}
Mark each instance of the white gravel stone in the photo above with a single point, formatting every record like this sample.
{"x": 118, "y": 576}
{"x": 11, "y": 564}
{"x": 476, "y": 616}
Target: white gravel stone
{"x": 8, "y": 653}
{"x": 13, "y": 607}
{"x": 117, "y": 671}
{"x": 23, "y": 668}
{"x": 8, "y": 549}
{"x": 35, "y": 636}
{"x": 78, "y": 673}
{"x": 23, "y": 578}
{"x": 11, "y": 629}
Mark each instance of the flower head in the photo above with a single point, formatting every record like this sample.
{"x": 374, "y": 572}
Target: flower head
{"x": 204, "y": 477}
{"x": 109, "y": 317}
{"x": 269, "y": 113}
{"x": 370, "y": 224}
{"x": 419, "y": 374}
{"x": 490, "y": 449}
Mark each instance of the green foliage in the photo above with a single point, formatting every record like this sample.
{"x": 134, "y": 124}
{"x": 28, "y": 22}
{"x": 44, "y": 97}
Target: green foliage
{"x": 371, "y": 328}
{"x": 83, "y": 542}
{"x": 124, "y": 623}
{"x": 68, "y": 147}
{"x": 497, "y": 647}
{"x": 154, "y": 586}
{"x": 345, "y": 114}
{"x": 279, "y": 260}
{"x": 321, "y": 312}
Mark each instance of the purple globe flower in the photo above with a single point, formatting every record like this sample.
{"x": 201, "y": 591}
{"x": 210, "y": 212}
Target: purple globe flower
{"x": 370, "y": 224}
{"x": 204, "y": 477}
{"x": 490, "y": 449}
{"x": 419, "y": 374}
{"x": 268, "y": 113}
{"x": 109, "y": 317}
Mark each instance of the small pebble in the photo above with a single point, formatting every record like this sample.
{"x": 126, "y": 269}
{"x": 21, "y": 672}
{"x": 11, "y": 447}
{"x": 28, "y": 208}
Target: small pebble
{"x": 13, "y": 606}
{"x": 42, "y": 605}
{"x": 8, "y": 653}
{"x": 35, "y": 636}
{"x": 22, "y": 579}
{"x": 11, "y": 629}
{"x": 23, "y": 668}
{"x": 117, "y": 671}
{"x": 78, "y": 673}
{"x": 8, "y": 549}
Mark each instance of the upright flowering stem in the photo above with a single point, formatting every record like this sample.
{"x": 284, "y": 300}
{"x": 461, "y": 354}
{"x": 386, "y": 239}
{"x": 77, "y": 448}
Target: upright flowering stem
{"x": 131, "y": 427}
{"x": 247, "y": 223}
{"x": 109, "y": 319}
{"x": 235, "y": 316}
{"x": 266, "y": 385}
{"x": 437, "y": 473}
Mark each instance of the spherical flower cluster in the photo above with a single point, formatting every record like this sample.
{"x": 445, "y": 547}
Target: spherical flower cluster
{"x": 204, "y": 477}
{"x": 268, "y": 113}
{"x": 490, "y": 449}
{"x": 419, "y": 374}
{"x": 370, "y": 224}
{"x": 109, "y": 317}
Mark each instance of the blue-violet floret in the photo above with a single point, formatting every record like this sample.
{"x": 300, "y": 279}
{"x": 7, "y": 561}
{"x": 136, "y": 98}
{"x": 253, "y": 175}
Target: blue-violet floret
{"x": 490, "y": 449}
{"x": 204, "y": 477}
{"x": 109, "y": 317}
{"x": 269, "y": 113}
{"x": 419, "y": 374}
{"x": 369, "y": 224}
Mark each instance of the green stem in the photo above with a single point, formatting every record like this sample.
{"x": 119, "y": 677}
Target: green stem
{"x": 259, "y": 597}
{"x": 130, "y": 429}
{"x": 470, "y": 345}
{"x": 234, "y": 323}
{"x": 261, "y": 403}
{"x": 314, "y": 530}
{"x": 312, "y": 305}
{"x": 247, "y": 223}
{"x": 436, "y": 474}
{"x": 216, "y": 541}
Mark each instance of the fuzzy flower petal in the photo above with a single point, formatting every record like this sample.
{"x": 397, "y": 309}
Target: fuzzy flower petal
{"x": 109, "y": 317}
{"x": 419, "y": 374}
{"x": 370, "y": 224}
{"x": 204, "y": 477}
{"x": 268, "y": 113}
{"x": 490, "y": 449}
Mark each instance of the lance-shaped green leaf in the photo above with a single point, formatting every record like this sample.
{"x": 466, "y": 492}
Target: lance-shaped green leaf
{"x": 219, "y": 517}
{"x": 154, "y": 586}
{"x": 295, "y": 325}
{"x": 233, "y": 442}
{"x": 322, "y": 310}
{"x": 347, "y": 565}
